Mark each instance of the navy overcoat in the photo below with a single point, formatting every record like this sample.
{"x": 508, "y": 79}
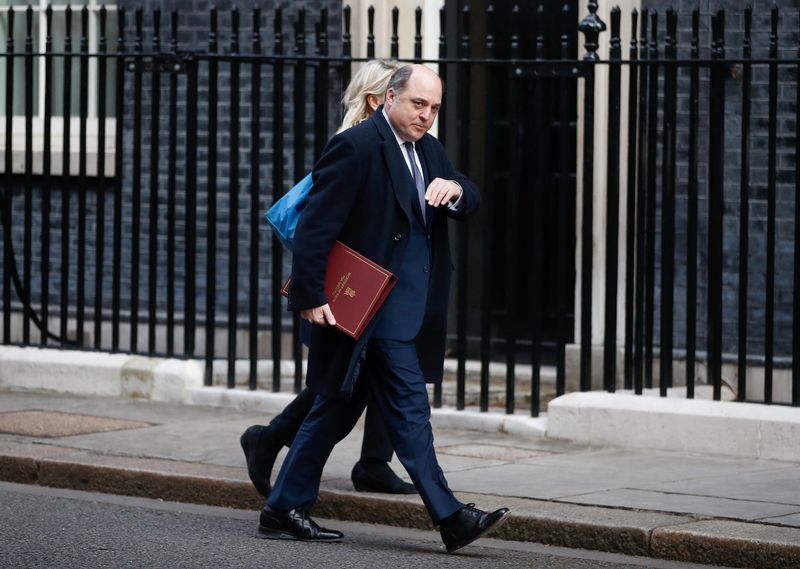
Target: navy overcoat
{"x": 360, "y": 196}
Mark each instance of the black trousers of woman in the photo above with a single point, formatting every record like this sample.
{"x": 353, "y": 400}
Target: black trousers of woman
{"x": 375, "y": 445}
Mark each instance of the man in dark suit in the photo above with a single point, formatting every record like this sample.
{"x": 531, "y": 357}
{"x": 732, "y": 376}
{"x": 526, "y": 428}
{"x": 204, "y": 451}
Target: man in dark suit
{"x": 385, "y": 188}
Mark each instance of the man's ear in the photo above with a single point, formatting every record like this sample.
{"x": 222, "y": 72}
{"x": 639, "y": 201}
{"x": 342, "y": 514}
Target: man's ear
{"x": 390, "y": 97}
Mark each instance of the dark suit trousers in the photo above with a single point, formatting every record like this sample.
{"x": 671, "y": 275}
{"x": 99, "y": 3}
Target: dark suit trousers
{"x": 376, "y": 444}
{"x": 394, "y": 381}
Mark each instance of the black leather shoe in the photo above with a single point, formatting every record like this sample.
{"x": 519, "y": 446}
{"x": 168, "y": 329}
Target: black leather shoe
{"x": 468, "y": 524}
{"x": 379, "y": 477}
{"x": 294, "y": 524}
{"x": 260, "y": 450}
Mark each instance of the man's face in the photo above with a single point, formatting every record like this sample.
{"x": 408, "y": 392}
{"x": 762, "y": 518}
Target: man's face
{"x": 413, "y": 111}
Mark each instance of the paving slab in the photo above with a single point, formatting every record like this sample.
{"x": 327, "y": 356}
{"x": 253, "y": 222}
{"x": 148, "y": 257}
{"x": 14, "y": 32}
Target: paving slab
{"x": 653, "y": 466}
{"x": 155, "y": 412}
{"x": 779, "y": 483}
{"x": 685, "y": 504}
{"x": 790, "y": 520}
{"x": 169, "y": 441}
{"x": 47, "y": 423}
{"x": 563, "y": 476}
{"x": 729, "y": 543}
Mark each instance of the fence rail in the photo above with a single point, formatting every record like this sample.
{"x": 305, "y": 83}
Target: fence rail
{"x": 165, "y": 161}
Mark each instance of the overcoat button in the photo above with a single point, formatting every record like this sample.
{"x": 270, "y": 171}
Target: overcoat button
{"x": 397, "y": 237}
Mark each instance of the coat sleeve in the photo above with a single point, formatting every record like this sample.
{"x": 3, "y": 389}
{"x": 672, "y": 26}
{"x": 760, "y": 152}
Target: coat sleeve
{"x": 470, "y": 199}
{"x": 336, "y": 180}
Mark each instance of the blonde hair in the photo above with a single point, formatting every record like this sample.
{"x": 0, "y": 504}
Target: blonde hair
{"x": 371, "y": 79}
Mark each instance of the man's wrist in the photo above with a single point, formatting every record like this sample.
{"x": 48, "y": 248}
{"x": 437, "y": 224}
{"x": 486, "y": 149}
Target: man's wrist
{"x": 453, "y": 203}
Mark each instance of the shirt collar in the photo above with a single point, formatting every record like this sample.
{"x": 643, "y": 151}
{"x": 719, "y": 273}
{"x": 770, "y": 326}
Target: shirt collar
{"x": 400, "y": 141}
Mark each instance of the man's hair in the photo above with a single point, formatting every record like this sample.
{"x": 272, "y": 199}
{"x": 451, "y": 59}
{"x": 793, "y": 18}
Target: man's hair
{"x": 371, "y": 79}
{"x": 399, "y": 79}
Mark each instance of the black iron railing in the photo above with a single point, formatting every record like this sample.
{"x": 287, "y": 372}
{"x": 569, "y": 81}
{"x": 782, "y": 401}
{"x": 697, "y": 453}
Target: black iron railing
{"x": 134, "y": 223}
{"x": 669, "y": 168}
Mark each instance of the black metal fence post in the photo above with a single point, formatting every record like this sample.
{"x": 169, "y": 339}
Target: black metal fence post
{"x": 8, "y": 253}
{"x": 590, "y": 27}
{"x": 155, "y": 119}
{"x": 46, "y": 174}
{"x": 772, "y": 150}
{"x": 442, "y": 119}
{"x": 321, "y": 71}
{"x": 536, "y": 213}
{"x": 649, "y": 266}
{"x": 27, "y": 249}
{"x": 119, "y": 107}
{"x": 136, "y": 181}
{"x": 299, "y": 167}
{"x": 82, "y": 117}
{"x": 630, "y": 201}
{"x": 462, "y": 237}
{"x": 190, "y": 234}
{"x": 277, "y": 192}
{"x": 641, "y": 218}
{"x": 99, "y": 261}
{"x": 211, "y": 192}
{"x": 668, "y": 202}
{"x": 716, "y": 169}
{"x": 691, "y": 206}
{"x": 516, "y": 93}
{"x": 255, "y": 202}
{"x": 487, "y": 205}
{"x": 796, "y": 292}
{"x": 233, "y": 202}
{"x": 66, "y": 185}
{"x": 563, "y": 270}
{"x": 744, "y": 205}
{"x": 172, "y": 183}
{"x": 612, "y": 205}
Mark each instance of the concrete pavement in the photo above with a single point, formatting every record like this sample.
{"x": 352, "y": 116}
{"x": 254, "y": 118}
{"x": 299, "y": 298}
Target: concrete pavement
{"x": 721, "y": 510}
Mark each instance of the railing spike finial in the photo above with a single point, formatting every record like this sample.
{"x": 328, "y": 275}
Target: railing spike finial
{"x": 442, "y": 23}
{"x": 395, "y": 45}
{"x": 371, "y": 31}
{"x": 417, "y": 33}
{"x": 347, "y": 14}
{"x": 591, "y": 27}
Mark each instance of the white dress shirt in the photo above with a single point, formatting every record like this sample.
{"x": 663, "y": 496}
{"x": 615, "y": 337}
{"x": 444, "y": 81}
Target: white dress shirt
{"x": 400, "y": 142}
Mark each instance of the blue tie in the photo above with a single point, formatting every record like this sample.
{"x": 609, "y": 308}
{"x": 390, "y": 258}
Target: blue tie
{"x": 418, "y": 181}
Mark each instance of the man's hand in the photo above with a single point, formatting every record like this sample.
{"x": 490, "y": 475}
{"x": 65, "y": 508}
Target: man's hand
{"x": 321, "y": 315}
{"x": 442, "y": 191}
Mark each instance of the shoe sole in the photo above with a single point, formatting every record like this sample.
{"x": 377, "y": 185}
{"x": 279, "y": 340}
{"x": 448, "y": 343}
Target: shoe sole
{"x": 269, "y": 533}
{"x": 484, "y": 533}
{"x": 365, "y": 487}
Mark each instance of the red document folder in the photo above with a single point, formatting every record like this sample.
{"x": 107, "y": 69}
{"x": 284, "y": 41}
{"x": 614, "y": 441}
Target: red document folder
{"x": 356, "y": 288}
